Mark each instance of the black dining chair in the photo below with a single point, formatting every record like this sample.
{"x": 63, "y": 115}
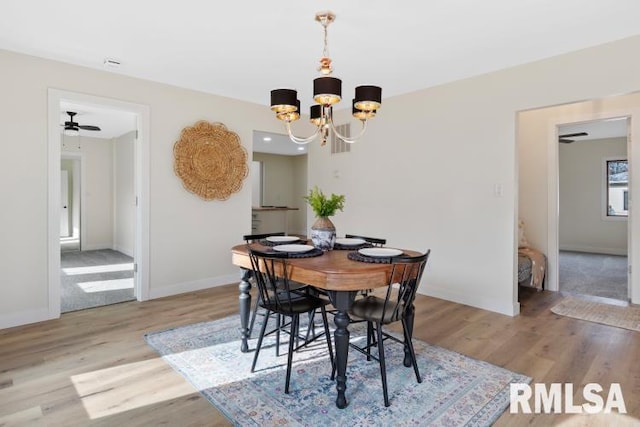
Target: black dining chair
{"x": 253, "y": 238}
{"x": 271, "y": 272}
{"x": 379, "y": 311}
{"x": 375, "y": 241}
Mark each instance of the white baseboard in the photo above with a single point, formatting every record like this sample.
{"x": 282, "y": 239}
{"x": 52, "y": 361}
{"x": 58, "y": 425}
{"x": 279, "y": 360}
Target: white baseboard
{"x": 96, "y": 246}
{"x": 123, "y": 250}
{"x": 594, "y": 249}
{"x": 24, "y": 317}
{"x": 196, "y": 285}
{"x": 471, "y": 300}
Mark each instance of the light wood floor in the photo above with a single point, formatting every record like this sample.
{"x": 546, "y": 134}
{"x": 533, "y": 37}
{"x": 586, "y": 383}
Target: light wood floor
{"x": 93, "y": 367}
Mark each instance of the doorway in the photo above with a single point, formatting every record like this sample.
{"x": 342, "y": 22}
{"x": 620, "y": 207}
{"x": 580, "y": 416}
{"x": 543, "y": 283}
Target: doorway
{"x": 97, "y": 252}
{"x": 537, "y": 200}
{"x": 279, "y": 183}
{"x": 107, "y": 201}
{"x": 593, "y": 201}
{"x": 70, "y": 166}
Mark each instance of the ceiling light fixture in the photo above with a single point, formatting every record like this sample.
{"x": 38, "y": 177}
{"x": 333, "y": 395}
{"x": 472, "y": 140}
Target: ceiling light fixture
{"x": 327, "y": 91}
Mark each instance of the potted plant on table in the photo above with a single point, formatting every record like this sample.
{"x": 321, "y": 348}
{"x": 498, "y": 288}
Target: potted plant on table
{"x": 323, "y": 232}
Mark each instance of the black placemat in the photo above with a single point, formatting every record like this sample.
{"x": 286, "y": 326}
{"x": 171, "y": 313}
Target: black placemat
{"x": 265, "y": 242}
{"x": 357, "y": 256}
{"x": 313, "y": 252}
{"x": 339, "y": 247}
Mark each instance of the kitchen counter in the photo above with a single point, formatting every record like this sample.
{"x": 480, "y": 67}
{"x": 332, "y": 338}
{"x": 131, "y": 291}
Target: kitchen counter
{"x": 270, "y": 219}
{"x": 273, "y": 208}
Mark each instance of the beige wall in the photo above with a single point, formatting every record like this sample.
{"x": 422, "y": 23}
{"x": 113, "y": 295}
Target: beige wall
{"x": 581, "y": 176}
{"x": 462, "y": 134}
{"x": 425, "y": 174}
{"x": 189, "y": 238}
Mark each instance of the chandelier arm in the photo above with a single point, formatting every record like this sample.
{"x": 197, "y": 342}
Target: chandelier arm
{"x": 299, "y": 140}
{"x": 352, "y": 139}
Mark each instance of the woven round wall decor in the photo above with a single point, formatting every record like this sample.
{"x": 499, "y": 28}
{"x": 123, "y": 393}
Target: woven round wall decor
{"x": 210, "y": 160}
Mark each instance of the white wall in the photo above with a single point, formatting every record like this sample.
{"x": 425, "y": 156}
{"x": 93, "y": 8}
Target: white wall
{"x": 298, "y": 221}
{"x": 97, "y": 192}
{"x": 277, "y": 172}
{"x": 581, "y": 176}
{"x": 124, "y": 193}
{"x": 463, "y": 135}
{"x": 189, "y": 238}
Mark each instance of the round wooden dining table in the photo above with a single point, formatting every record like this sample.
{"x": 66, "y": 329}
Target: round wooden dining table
{"x": 341, "y": 278}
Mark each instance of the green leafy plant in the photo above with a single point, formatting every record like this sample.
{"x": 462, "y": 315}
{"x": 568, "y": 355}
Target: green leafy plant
{"x": 322, "y": 205}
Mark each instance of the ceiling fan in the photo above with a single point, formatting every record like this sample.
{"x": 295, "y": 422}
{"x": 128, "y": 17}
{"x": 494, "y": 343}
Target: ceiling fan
{"x": 72, "y": 128}
{"x": 564, "y": 138}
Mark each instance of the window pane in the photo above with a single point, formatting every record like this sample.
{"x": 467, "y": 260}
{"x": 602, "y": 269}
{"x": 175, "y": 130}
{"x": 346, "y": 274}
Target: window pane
{"x": 617, "y": 188}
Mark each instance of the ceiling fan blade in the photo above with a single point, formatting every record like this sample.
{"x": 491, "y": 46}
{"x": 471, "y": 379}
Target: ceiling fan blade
{"x": 569, "y": 135}
{"x": 565, "y": 140}
{"x": 89, "y": 127}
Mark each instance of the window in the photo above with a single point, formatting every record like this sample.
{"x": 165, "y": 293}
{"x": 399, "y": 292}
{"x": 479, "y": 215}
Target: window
{"x": 617, "y": 188}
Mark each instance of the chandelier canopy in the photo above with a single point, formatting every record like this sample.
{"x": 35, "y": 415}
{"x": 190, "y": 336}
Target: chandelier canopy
{"x": 327, "y": 91}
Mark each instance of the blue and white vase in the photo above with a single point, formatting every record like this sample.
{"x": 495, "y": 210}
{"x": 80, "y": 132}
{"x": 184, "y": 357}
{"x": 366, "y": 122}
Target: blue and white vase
{"x": 323, "y": 234}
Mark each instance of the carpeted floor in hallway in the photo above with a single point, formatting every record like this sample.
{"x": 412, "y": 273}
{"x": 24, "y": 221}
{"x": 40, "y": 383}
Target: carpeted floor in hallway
{"x": 593, "y": 274}
{"x": 95, "y": 278}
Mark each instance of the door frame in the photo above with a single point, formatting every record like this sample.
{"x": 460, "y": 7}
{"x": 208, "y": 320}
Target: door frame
{"x": 633, "y": 156}
{"x": 141, "y": 282}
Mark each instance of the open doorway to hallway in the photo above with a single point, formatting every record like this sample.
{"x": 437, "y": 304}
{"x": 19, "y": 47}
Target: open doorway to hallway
{"x": 593, "y": 197}
{"x": 98, "y": 206}
{"x": 140, "y": 161}
{"x": 538, "y": 176}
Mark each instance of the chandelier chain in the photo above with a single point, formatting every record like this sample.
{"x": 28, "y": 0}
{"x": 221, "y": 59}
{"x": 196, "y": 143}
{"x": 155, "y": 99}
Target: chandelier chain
{"x": 325, "y": 51}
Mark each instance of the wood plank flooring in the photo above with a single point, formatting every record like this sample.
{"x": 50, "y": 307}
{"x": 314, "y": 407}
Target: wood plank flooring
{"x": 93, "y": 367}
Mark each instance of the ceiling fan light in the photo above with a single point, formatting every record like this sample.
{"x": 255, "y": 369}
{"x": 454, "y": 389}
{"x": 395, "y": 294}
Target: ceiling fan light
{"x": 368, "y": 98}
{"x": 327, "y": 90}
{"x": 283, "y": 100}
{"x": 71, "y": 132}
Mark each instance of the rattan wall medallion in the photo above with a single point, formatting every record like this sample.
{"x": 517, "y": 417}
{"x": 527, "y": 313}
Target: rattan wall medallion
{"x": 210, "y": 160}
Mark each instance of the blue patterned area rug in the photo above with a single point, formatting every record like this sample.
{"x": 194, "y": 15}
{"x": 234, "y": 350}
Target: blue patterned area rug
{"x": 456, "y": 390}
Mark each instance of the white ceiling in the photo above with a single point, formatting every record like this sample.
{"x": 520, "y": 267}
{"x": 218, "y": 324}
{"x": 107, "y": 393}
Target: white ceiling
{"x": 243, "y": 49}
{"x": 275, "y": 143}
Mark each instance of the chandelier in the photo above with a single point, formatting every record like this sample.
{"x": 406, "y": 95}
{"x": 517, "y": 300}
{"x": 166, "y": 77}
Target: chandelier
{"x": 327, "y": 91}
